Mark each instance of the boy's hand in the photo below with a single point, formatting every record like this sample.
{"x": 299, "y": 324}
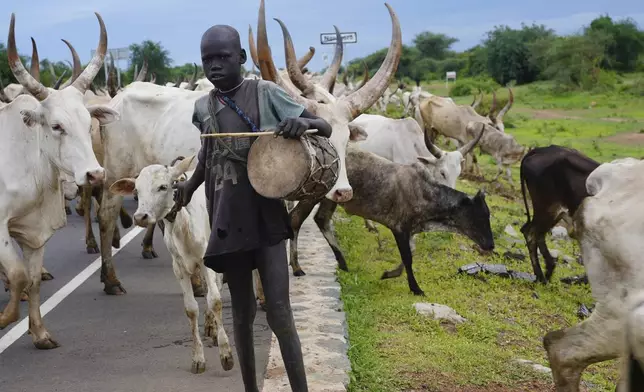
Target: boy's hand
{"x": 292, "y": 128}
{"x": 182, "y": 193}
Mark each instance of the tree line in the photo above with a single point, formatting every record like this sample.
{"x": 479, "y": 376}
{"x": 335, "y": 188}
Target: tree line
{"x": 590, "y": 59}
{"x": 587, "y": 60}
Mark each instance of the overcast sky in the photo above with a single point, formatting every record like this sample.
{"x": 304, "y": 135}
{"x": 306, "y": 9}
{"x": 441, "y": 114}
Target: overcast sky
{"x": 179, "y": 24}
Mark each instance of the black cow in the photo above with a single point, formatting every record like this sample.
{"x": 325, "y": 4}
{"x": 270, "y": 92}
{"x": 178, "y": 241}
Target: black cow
{"x": 555, "y": 177}
{"x": 405, "y": 199}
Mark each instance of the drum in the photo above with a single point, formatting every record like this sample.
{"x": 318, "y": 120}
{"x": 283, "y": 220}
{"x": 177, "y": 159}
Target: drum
{"x": 293, "y": 169}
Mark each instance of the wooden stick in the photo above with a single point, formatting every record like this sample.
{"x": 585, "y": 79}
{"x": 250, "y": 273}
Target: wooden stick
{"x": 240, "y": 134}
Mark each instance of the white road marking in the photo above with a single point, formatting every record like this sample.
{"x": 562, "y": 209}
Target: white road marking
{"x": 19, "y": 329}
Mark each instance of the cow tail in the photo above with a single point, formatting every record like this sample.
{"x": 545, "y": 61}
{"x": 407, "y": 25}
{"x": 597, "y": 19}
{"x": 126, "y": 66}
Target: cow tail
{"x": 522, "y": 179}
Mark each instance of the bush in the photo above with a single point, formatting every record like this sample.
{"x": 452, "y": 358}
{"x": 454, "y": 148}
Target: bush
{"x": 636, "y": 88}
{"x": 461, "y": 89}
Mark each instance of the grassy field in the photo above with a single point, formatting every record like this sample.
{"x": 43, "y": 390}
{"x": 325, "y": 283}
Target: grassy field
{"x": 394, "y": 349}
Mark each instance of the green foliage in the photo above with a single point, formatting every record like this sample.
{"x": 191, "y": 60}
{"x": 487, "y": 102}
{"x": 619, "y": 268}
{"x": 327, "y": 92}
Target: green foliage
{"x": 159, "y": 60}
{"x": 626, "y": 42}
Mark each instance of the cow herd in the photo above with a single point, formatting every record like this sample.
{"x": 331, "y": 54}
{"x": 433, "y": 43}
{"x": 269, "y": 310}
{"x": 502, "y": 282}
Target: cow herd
{"x": 105, "y": 143}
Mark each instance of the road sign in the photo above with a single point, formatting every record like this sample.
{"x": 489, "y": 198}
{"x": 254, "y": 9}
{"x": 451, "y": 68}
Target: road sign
{"x": 450, "y": 75}
{"x": 347, "y": 38}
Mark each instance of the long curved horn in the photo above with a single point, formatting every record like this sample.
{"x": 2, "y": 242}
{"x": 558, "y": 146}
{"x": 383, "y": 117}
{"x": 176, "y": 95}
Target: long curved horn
{"x": 52, "y": 71}
{"x": 365, "y": 76}
{"x": 112, "y": 87}
{"x": 3, "y": 96}
{"x": 77, "y": 69}
{"x": 331, "y": 73}
{"x": 306, "y": 58}
{"x": 60, "y": 80}
{"x": 364, "y": 98}
{"x": 143, "y": 73}
{"x": 192, "y": 84}
{"x": 437, "y": 152}
{"x": 293, "y": 68}
{"x": 267, "y": 66}
{"x": 35, "y": 61}
{"x": 499, "y": 117}
{"x": 180, "y": 79}
{"x": 492, "y": 107}
{"x": 89, "y": 73}
{"x": 464, "y": 150}
{"x": 477, "y": 99}
{"x": 33, "y": 86}
{"x": 153, "y": 78}
{"x": 252, "y": 47}
{"x": 136, "y": 72}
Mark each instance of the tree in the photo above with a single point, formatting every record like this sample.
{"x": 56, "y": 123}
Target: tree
{"x": 509, "y": 56}
{"x": 159, "y": 61}
{"x": 434, "y": 45}
{"x": 626, "y": 42}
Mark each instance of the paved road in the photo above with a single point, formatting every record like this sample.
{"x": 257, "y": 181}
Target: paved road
{"x": 137, "y": 342}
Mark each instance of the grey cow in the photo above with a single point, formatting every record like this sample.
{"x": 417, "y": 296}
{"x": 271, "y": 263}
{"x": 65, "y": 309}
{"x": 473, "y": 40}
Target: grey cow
{"x": 405, "y": 199}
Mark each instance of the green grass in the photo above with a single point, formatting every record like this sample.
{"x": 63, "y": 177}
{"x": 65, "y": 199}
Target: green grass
{"x": 394, "y": 349}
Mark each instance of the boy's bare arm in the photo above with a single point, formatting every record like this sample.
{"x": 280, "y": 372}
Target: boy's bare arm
{"x": 294, "y": 127}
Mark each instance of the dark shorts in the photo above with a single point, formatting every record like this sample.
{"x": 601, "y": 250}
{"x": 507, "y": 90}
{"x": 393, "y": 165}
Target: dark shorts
{"x": 247, "y": 259}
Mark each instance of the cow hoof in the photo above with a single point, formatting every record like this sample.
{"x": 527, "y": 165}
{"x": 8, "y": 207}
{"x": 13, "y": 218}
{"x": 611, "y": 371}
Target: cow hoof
{"x": 227, "y": 361}
{"x": 47, "y": 343}
{"x": 115, "y": 289}
{"x": 198, "y": 367}
{"x": 116, "y": 243}
{"x": 46, "y": 276}
{"x": 299, "y": 272}
{"x": 92, "y": 250}
{"x": 68, "y": 211}
{"x": 149, "y": 254}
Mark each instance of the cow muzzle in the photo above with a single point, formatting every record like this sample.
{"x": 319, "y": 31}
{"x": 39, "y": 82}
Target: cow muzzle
{"x": 143, "y": 219}
{"x": 95, "y": 177}
{"x": 342, "y": 195}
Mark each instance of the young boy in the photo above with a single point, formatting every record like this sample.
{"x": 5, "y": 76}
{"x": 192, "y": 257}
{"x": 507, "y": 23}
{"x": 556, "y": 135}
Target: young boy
{"x": 248, "y": 231}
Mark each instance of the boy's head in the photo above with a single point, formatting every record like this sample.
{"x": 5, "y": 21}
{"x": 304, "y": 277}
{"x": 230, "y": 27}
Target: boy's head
{"x": 222, "y": 56}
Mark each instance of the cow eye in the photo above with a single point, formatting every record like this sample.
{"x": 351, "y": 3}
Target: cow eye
{"x": 163, "y": 188}
{"x": 58, "y": 128}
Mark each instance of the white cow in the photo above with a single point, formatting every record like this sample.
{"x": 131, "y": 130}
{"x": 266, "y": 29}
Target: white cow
{"x": 186, "y": 235}
{"x": 155, "y": 127}
{"x": 45, "y": 134}
{"x": 609, "y": 226}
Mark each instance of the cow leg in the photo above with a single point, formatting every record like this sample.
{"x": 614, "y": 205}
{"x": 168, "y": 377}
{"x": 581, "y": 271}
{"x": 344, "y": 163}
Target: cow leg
{"x": 598, "y": 338}
{"x": 298, "y": 215}
{"x": 259, "y": 290}
{"x": 110, "y": 205}
{"x": 550, "y": 261}
{"x": 40, "y": 336}
{"x": 402, "y": 240}
{"x": 214, "y": 318}
{"x": 532, "y": 240}
{"x": 68, "y": 209}
{"x": 394, "y": 273}
{"x": 45, "y": 275}
{"x": 508, "y": 174}
{"x": 16, "y": 274}
{"x": 97, "y": 192}
{"x": 196, "y": 280}
{"x": 192, "y": 311}
{"x": 147, "y": 244}
{"x": 323, "y": 218}
{"x": 86, "y": 203}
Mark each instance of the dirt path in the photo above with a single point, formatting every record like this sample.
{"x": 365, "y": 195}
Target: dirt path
{"x": 552, "y": 114}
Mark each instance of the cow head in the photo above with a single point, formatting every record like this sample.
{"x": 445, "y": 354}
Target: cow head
{"x": 471, "y": 217}
{"x": 60, "y": 117}
{"x": 153, "y": 187}
{"x": 445, "y": 167}
{"x": 318, "y": 98}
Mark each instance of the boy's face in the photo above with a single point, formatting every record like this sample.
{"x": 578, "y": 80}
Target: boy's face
{"x": 222, "y": 56}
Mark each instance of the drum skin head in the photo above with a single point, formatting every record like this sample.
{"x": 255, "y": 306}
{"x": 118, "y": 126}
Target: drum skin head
{"x": 277, "y": 167}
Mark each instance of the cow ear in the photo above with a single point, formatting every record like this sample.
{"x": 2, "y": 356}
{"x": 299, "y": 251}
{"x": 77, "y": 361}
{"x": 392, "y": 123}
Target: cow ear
{"x": 357, "y": 133}
{"x": 428, "y": 160}
{"x": 182, "y": 166}
{"x": 103, "y": 114}
{"x": 32, "y": 118}
{"x": 123, "y": 187}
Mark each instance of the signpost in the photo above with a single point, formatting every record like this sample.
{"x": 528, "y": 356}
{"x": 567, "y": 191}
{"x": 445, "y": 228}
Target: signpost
{"x": 449, "y": 75}
{"x": 118, "y": 54}
{"x": 330, "y": 39}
